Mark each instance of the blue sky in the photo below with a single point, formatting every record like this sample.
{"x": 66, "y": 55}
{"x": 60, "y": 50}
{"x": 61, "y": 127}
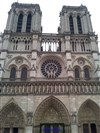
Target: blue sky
{"x": 50, "y": 12}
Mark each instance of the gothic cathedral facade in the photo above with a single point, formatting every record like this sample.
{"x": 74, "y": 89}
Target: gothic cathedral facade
{"x": 49, "y": 83}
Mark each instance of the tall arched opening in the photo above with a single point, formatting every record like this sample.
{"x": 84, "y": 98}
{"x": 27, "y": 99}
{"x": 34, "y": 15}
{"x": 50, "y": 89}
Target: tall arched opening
{"x": 89, "y": 117}
{"x": 51, "y": 116}
{"x": 12, "y": 119}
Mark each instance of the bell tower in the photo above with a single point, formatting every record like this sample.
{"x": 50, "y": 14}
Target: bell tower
{"x": 75, "y": 20}
{"x": 24, "y": 18}
{"x": 49, "y": 82}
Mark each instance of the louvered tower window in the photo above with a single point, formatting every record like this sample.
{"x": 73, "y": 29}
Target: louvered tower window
{"x": 79, "y": 25}
{"x": 71, "y": 24}
{"x": 28, "y": 26}
{"x": 19, "y": 24}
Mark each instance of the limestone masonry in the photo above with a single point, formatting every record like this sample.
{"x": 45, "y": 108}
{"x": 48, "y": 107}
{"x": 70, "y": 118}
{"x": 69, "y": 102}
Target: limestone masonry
{"x": 49, "y": 83}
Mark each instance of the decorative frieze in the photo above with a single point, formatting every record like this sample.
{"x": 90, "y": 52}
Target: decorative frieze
{"x": 45, "y": 88}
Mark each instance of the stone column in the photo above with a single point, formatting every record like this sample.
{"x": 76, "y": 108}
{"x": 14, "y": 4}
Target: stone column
{"x": 89, "y": 22}
{"x": 74, "y": 126}
{"x": 67, "y": 43}
{"x": 62, "y": 22}
{"x": 29, "y": 128}
{"x": 39, "y": 21}
{"x": 10, "y": 20}
{"x": 33, "y": 23}
{"x": 21, "y": 130}
{"x": 75, "y": 24}
{"x": 84, "y": 24}
{"x": 15, "y": 22}
{"x": 0, "y": 130}
{"x": 98, "y": 127}
{"x": 7, "y": 25}
{"x": 37, "y": 26}
{"x": 34, "y": 56}
{"x": 67, "y": 28}
{"x": 80, "y": 129}
{"x": 24, "y": 23}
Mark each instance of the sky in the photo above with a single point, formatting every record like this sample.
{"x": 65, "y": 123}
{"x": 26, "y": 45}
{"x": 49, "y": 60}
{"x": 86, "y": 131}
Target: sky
{"x": 50, "y": 13}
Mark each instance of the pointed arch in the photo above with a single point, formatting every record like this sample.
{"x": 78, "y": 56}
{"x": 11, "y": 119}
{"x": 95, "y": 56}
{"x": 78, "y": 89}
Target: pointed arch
{"x": 20, "y": 21}
{"x": 79, "y": 24}
{"x": 56, "y": 104}
{"x": 91, "y": 105}
{"x": 28, "y": 25}
{"x": 89, "y": 117}
{"x": 84, "y": 60}
{"x": 77, "y": 71}
{"x": 51, "y": 111}
{"x": 24, "y": 72}
{"x": 12, "y": 114}
{"x": 86, "y": 70}
{"x": 13, "y": 62}
{"x": 71, "y": 24}
{"x": 13, "y": 73}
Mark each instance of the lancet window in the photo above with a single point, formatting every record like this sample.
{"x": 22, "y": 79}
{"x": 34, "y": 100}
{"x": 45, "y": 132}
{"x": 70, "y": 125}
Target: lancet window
{"x": 19, "y": 24}
{"x": 79, "y": 25}
{"x": 71, "y": 24}
{"x": 13, "y": 73}
{"x": 28, "y": 25}
{"x": 24, "y": 73}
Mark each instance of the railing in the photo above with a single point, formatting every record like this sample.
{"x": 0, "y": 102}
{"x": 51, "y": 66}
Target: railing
{"x": 50, "y": 43}
{"x": 80, "y": 45}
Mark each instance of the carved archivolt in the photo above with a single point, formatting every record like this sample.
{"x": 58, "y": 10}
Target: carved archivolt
{"x": 89, "y": 112}
{"x": 82, "y": 62}
{"x": 12, "y": 116}
{"x": 18, "y": 61}
{"x": 51, "y": 109}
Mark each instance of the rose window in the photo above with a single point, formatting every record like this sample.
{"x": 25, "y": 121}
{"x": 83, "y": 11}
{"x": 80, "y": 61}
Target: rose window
{"x": 51, "y": 68}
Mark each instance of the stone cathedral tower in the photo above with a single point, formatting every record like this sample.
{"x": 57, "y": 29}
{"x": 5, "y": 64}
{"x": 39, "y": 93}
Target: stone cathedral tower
{"x": 49, "y": 83}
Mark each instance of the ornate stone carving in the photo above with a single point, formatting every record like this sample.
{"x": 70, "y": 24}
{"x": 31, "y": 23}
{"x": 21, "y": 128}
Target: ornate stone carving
{"x": 29, "y": 118}
{"x": 9, "y": 56}
{"x": 21, "y": 39}
{"x": 12, "y": 116}
{"x": 51, "y": 115}
{"x": 38, "y": 88}
{"x": 19, "y": 60}
{"x": 29, "y": 56}
{"x": 51, "y": 68}
{"x": 81, "y": 62}
{"x": 73, "y": 117}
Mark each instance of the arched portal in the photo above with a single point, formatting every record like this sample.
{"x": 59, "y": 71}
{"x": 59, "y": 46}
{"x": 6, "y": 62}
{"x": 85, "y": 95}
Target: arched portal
{"x": 12, "y": 119}
{"x": 89, "y": 117}
{"x": 51, "y": 116}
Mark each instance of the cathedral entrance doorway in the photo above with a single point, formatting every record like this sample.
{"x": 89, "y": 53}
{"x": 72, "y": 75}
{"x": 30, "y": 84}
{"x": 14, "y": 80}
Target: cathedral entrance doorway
{"x": 52, "y": 128}
{"x": 88, "y": 117}
{"x": 51, "y": 117}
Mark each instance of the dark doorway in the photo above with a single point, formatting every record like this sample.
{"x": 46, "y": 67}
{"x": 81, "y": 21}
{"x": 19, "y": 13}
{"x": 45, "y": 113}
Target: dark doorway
{"x": 89, "y": 128}
{"x": 6, "y": 130}
{"x": 93, "y": 128}
{"x": 52, "y": 128}
{"x": 85, "y": 128}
